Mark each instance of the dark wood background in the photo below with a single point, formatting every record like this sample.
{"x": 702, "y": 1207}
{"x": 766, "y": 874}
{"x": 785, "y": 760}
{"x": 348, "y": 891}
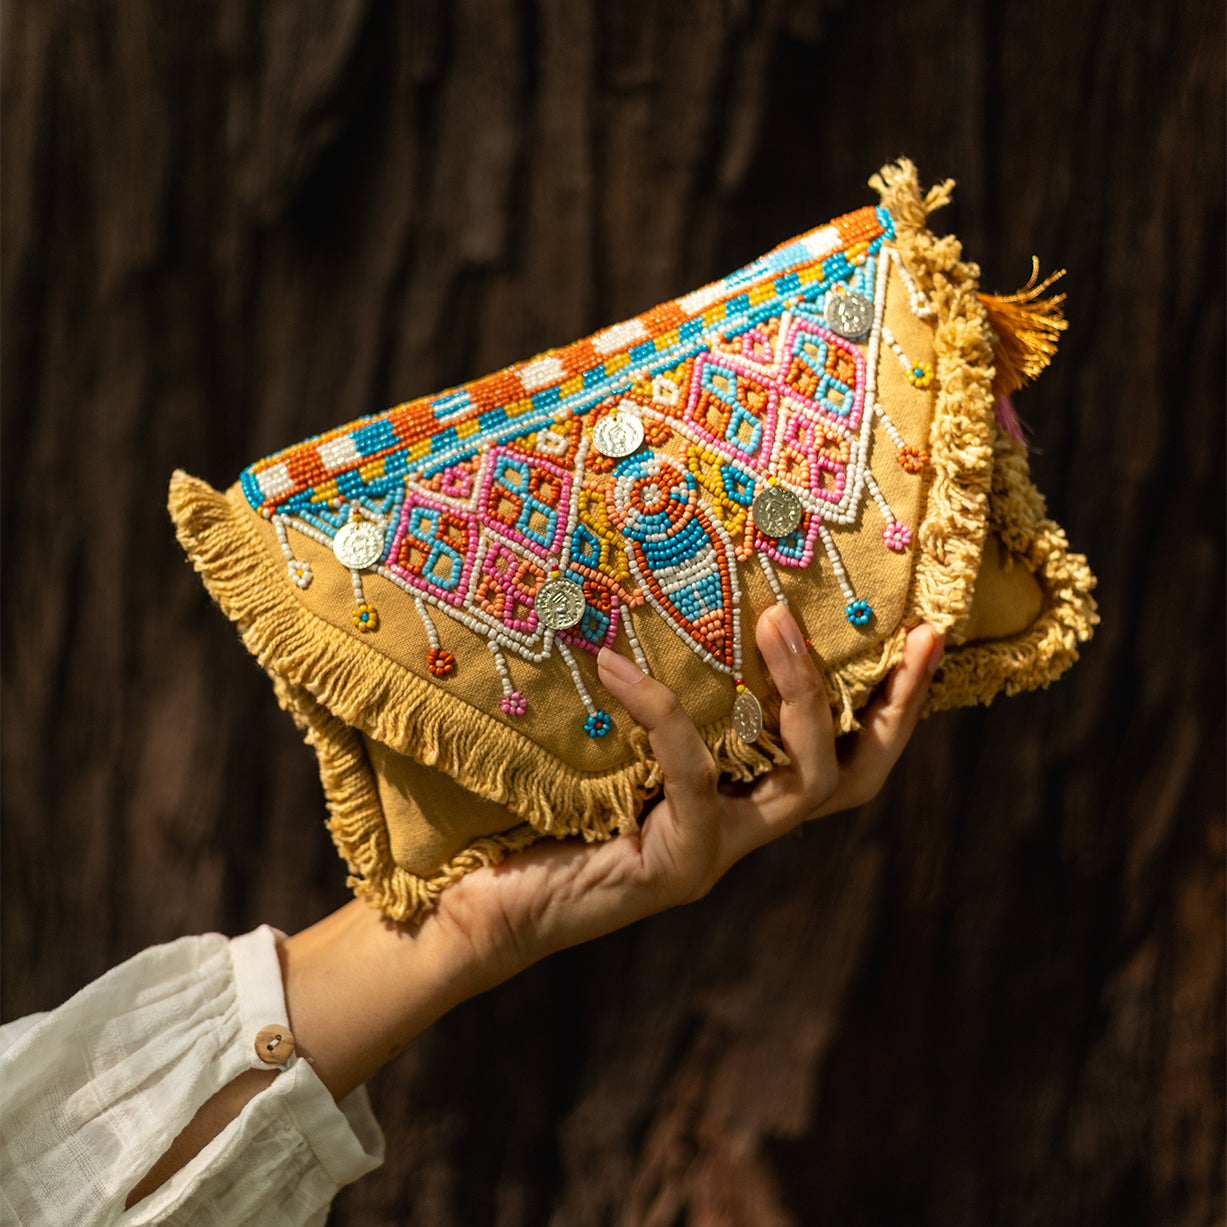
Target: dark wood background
{"x": 994, "y": 996}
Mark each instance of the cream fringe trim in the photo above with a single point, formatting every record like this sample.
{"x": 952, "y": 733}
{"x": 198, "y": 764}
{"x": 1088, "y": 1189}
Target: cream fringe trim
{"x": 1036, "y": 657}
{"x": 357, "y": 824}
{"x": 328, "y": 683}
{"x": 950, "y": 538}
{"x": 332, "y": 687}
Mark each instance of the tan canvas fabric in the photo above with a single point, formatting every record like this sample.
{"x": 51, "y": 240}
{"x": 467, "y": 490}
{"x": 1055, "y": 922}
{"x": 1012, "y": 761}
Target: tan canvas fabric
{"x": 910, "y": 488}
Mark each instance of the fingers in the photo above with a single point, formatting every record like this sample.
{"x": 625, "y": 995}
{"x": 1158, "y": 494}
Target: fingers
{"x": 784, "y": 798}
{"x": 686, "y": 763}
{"x": 805, "y": 715}
{"x": 815, "y": 784}
{"x": 889, "y": 720}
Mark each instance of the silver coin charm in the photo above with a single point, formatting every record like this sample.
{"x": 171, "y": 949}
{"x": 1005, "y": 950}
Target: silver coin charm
{"x": 747, "y": 717}
{"x": 777, "y": 511}
{"x": 560, "y": 603}
{"x": 618, "y": 434}
{"x": 358, "y": 544}
{"x": 848, "y": 313}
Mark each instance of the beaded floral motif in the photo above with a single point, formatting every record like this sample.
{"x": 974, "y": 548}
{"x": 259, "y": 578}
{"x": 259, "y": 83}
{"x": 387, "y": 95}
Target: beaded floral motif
{"x": 365, "y": 617}
{"x": 440, "y": 662}
{"x": 859, "y": 612}
{"x": 484, "y": 492}
{"x": 898, "y": 536}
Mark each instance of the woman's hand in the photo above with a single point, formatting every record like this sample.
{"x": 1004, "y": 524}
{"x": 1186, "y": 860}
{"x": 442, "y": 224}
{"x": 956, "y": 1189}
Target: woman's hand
{"x": 358, "y": 987}
{"x": 559, "y": 894}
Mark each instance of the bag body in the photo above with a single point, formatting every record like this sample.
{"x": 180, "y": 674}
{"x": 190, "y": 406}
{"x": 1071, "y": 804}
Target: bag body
{"x": 428, "y": 587}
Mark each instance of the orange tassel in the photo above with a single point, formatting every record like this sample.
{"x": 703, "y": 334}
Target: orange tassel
{"x": 1027, "y": 328}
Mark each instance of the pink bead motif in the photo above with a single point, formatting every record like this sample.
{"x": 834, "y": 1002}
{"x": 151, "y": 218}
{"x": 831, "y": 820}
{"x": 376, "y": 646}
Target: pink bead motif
{"x": 434, "y": 548}
{"x": 803, "y": 448}
{"x": 513, "y": 702}
{"x": 897, "y": 535}
{"x": 756, "y": 346}
{"x": 743, "y": 432}
{"x": 456, "y": 482}
{"x": 525, "y": 500}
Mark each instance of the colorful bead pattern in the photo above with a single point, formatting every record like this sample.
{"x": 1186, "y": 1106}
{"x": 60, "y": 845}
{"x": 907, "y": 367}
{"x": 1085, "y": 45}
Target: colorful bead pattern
{"x": 485, "y": 491}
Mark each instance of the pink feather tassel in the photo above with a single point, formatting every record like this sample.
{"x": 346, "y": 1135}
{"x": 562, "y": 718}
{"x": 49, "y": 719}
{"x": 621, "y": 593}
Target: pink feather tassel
{"x": 1008, "y": 420}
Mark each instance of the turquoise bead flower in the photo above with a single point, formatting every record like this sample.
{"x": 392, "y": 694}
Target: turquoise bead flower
{"x": 598, "y": 724}
{"x": 859, "y": 613}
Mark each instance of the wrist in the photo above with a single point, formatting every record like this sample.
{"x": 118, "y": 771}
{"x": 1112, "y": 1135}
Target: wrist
{"x": 358, "y": 988}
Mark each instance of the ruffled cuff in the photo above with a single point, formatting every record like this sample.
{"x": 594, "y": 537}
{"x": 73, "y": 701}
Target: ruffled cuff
{"x": 97, "y": 1089}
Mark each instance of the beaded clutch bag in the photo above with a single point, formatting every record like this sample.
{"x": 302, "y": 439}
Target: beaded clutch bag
{"x": 428, "y": 587}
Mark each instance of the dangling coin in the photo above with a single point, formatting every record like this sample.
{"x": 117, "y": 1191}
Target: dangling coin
{"x": 618, "y": 434}
{"x": 747, "y": 717}
{"x": 848, "y": 313}
{"x": 777, "y": 511}
{"x": 358, "y": 544}
{"x": 560, "y": 603}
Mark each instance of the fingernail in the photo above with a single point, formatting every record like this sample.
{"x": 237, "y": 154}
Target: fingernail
{"x": 624, "y": 669}
{"x": 936, "y": 652}
{"x": 790, "y": 632}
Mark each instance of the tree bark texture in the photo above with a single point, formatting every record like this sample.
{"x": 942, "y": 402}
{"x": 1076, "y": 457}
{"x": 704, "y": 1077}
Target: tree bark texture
{"x": 993, "y": 996}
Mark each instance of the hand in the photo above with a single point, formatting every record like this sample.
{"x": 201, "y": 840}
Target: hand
{"x": 358, "y": 987}
{"x": 559, "y": 894}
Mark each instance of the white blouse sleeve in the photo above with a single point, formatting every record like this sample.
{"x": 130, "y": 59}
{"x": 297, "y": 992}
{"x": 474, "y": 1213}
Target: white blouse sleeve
{"x": 95, "y": 1091}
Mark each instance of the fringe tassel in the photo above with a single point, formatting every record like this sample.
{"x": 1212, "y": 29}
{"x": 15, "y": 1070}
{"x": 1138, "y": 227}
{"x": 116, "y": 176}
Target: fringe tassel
{"x": 853, "y": 682}
{"x": 1027, "y": 328}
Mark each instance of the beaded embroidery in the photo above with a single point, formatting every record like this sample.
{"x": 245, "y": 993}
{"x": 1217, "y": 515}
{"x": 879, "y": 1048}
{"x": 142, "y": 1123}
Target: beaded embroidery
{"x": 484, "y": 492}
